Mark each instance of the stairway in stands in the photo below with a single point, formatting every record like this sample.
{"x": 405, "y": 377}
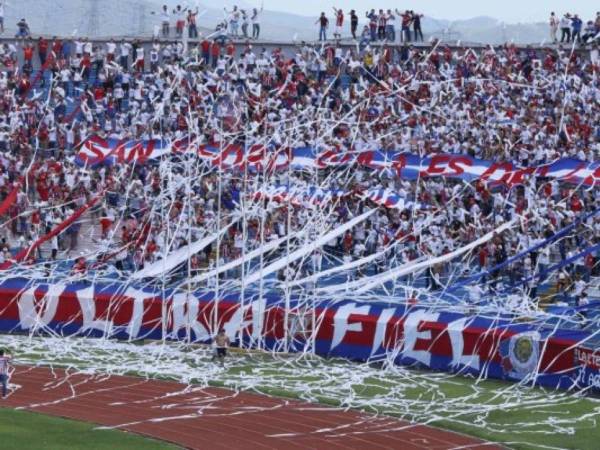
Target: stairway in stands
{"x": 90, "y": 234}
{"x": 73, "y": 100}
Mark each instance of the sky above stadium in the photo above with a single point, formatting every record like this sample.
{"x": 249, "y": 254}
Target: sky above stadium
{"x": 511, "y": 11}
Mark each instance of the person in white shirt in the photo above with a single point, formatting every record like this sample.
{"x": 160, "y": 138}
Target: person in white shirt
{"x": 139, "y": 58}
{"x": 316, "y": 261}
{"x": 125, "y": 49}
{"x": 180, "y": 15}
{"x": 4, "y": 366}
{"x": 565, "y": 28}
{"x": 165, "y": 21}
{"x": 350, "y": 273}
{"x": 111, "y": 49}
{"x": 155, "y": 57}
{"x": 87, "y": 47}
{"x": 594, "y": 58}
{"x": 553, "y": 27}
{"x": 255, "y": 23}
{"x": 1, "y": 16}
{"x": 79, "y": 47}
{"x": 245, "y": 23}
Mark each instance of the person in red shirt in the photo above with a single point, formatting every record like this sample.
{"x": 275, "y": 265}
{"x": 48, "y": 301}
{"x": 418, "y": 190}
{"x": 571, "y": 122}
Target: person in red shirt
{"x": 106, "y": 222}
{"x": 80, "y": 266}
{"x": 230, "y": 51}
{"x": 406, "y": 21}
{"x": 28, "y": 53}
{"x": 99, "y": 93}
{"x": 576, "y": 204}
{"x": 215, "y": 50}
{"x": 348, "y": 242}
{"x": 483, "y": 256}
{"x": 151, "y": 249}
{"x": 42, "y": 50}
{"x": 86, "y": 65}
{"x": 339, "y": 22}
{"x": 24, "y": 85}
{"x": 57, "y": 47}
{"x": 205, "y": 50}
{"x": 589, "y": 264}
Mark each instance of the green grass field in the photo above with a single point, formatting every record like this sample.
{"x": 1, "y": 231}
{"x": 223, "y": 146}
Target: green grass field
{"x": 517, "y": 416}
{"x": 20, "y": 430}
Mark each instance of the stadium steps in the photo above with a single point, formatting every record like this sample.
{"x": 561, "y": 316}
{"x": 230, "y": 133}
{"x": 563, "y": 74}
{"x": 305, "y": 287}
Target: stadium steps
{"x": 548, "y": 297}
{"x": 89, "y": 235}
{"x": 74, "y": 96}
{"x": 46, "y": 250}
{"x": 593, "y": 289}
{"x": 552, "y": 295}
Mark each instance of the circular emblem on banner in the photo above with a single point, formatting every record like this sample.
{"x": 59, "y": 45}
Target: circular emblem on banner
{"x": 524, "y": 352}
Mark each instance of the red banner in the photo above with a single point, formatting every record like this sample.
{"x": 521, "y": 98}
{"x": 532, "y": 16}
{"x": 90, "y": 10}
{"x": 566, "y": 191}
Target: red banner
{"x": 11, "y": 197}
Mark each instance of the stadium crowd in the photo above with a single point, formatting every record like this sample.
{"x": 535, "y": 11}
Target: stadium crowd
{"x": 530, "y": 106}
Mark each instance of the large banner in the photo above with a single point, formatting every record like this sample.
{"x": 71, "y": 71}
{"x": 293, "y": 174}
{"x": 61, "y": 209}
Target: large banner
{"x": 95, "y": 151}
{"x": 408, "y": 335}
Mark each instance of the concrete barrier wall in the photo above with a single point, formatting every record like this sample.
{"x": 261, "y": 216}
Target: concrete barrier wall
{"x": 289, "y": 48}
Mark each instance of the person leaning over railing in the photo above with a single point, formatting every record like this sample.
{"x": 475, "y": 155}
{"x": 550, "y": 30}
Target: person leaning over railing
{"x": 23, "y": 29}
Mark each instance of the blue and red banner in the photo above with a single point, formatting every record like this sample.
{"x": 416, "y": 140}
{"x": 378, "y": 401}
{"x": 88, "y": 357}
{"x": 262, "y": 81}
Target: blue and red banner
{"x": 408, "y": 334}
{"x": 95, "y": 151}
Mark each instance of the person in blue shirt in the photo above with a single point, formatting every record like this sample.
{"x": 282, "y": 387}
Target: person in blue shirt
{"x": 576, "y": 24}
{"x": 372, "y": 16}
{"x": 22, "y": 29}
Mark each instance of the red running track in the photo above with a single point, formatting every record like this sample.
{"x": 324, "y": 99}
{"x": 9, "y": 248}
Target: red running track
{"x": 213, "y": 418}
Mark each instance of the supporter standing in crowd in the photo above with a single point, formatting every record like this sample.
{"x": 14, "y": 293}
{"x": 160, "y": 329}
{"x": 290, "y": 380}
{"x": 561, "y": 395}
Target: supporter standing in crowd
{"x": 381, "y": 25}
{"x": 42, "y": 46}
{"x": 353, "y": 23}
{"x": 594, "y": 57}
{"x": 565, "y": 28}
{"x": 323, "y": 23}
{"x": 165, "y": 18}
{"x": 406, "y": 19}
{"x": 191, "y": 23}
{"x": 339, "y": 22}
{"x": 372, "y": 23}
{"x": 553, "y": 28}
{"x": 416, "y": 20}
{"x": 2, "y": 12}
{"x": 4, "y": 371}
{"x": 245, "y": 23}
{"x": 233, "y": 20}
{"x": 255, "y": 19}
{"x": 180, "y": 18}
{"x": 576, "y": 25}
{"x": 390, "y": 32}
{"x": 590, "y": 32}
